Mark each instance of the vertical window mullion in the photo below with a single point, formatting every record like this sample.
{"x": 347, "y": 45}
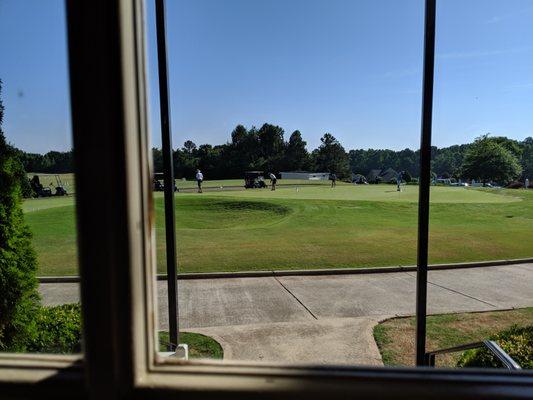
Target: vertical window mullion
{"x": 168, "y": 176}
{"x": 424, "y": 183}
{"x": 105, "y": 65}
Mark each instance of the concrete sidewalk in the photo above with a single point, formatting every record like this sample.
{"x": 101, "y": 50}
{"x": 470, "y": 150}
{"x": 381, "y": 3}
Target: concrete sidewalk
{"x": 323, "y": 319}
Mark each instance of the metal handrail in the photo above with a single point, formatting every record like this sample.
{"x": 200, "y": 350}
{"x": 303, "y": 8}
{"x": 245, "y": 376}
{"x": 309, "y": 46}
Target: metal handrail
{"x": 492, "y": 346}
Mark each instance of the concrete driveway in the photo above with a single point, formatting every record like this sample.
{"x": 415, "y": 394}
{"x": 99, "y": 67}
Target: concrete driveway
{"x": 323, "y": 319}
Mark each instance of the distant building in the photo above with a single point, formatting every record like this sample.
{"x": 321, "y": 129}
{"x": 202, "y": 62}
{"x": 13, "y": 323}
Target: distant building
{"x": 311, "y": 176}
{"x": 380, "y": 175}
{"x": 373, "y": 176}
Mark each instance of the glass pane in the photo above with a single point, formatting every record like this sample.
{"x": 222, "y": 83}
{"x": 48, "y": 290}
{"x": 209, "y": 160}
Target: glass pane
{"x": 284, "y": 116}
{"x": 481, "y": 161}
{"x": 37, "y": 178}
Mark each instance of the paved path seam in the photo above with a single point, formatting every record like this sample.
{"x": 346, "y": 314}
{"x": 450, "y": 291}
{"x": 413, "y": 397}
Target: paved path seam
{"x": 456, "y": 291}
{"x": 296, "y": 298}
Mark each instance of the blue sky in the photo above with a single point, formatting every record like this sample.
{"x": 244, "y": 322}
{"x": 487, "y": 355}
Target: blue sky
{"x": 349, "y": 67}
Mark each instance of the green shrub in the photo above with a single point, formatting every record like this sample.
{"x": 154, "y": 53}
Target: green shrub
{"x": 19, "y": 299}
{"x": 515, "y": 341}
{"x": 58, "y": 330}
{"x": 25, "y": 187}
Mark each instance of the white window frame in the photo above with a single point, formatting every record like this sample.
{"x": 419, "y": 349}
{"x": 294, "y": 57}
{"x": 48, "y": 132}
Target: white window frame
{"x": 117, "y": 259}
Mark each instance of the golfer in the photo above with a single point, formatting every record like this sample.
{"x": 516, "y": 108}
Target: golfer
{"x": 273, "y": 180}
{"x": 333, "y": 179}
{"x": 199, "y": 180}
{"x": 399, "y": 181}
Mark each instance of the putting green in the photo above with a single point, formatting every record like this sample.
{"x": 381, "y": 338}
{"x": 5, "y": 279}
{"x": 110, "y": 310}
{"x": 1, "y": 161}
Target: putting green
{"x": 312, "y": 227}
{"x": 387, "y": 193}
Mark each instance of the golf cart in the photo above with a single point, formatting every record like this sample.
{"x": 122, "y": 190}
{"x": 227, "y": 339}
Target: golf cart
{"x": 158, "y": 185}
{"x": 46, "y": 191}
{"x": 254, "y": 180}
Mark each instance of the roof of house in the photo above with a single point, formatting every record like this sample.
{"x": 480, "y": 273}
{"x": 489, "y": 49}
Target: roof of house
{"x": 373, "y": 174}
{"x": 388, "y": 174}
{"x": 384, "y": 175}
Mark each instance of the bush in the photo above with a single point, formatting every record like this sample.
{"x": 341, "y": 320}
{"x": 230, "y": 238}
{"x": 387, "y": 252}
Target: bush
{"x": 515, "y": 341}
{"x": 58, "y": 330}
{"x": 25, "y": 187}
{"x": 19, "y": 299}
{"x": 515, "y": 185}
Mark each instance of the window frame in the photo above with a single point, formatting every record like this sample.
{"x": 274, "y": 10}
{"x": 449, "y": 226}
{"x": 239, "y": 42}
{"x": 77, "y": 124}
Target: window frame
{"x": 117, "y": 259}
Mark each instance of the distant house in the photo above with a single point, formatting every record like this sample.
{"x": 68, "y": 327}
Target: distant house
{"x": 373, "y": 176}
{"x": 311, "y": 176}
{"x": 380, "y": 175}
{"x": 388, "y": 175}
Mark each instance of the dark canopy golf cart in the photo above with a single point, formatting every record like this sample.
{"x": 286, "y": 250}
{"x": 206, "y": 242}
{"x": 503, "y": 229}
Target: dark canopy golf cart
{"x": 254, "y": 179}
{"x": 158, "y": 185}
{"x": 40, "y": 190}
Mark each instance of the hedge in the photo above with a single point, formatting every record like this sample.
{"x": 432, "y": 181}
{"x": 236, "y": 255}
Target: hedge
{"x": 57, "y": 330}
{"x": 19, "y": 298}
{"x": 515, "y": 341}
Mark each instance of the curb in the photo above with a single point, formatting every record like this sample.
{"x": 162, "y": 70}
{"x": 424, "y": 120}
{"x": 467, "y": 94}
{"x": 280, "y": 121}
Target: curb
{"x": 311, "y": 272}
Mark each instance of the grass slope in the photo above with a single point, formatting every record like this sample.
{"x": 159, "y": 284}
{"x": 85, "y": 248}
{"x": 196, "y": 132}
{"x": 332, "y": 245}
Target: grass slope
{"x": 396, "y": 337}
{"x": 312, "y": 227}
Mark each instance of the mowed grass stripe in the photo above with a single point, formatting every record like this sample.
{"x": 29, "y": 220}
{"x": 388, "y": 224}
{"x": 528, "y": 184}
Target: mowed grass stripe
{"x": 248, "y": 230}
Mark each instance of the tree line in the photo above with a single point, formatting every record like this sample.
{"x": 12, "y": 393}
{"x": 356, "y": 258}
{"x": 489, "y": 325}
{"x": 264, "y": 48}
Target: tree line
{"x": 266, "y": 149}
{"x": 487, "y": 158}
{"x": 262, "y": 149}
{"x": 54, "y": 162}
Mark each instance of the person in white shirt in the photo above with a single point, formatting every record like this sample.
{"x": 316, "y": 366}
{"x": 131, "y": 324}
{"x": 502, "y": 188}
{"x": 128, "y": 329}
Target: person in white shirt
{"x": 199, "y": 180}
{"x": 273, "y": 180}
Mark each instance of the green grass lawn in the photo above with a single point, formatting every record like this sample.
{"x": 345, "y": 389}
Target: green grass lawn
{"x": 396, "y": 337}
{"x": 200, "y": 346}
{"x": 302, "y": 227}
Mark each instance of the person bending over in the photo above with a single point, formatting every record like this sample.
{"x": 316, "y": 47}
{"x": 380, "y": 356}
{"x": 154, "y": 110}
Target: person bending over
{"x": 273, "y": 180}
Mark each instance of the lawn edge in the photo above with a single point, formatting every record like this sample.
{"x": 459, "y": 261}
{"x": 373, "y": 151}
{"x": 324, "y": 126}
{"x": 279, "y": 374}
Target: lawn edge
{"x": 309, "y": 272}
{"x": 405, "y": 316}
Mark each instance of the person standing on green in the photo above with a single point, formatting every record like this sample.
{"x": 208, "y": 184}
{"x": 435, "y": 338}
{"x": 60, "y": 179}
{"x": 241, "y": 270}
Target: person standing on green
{"x": 333, "y": 179}
{"x": 199, "y": 180}
{"x": 399, "y": 181}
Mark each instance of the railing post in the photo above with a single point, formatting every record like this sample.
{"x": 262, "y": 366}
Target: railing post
{"x": 168, "y": 169}
{"x": 424, "y": 184}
